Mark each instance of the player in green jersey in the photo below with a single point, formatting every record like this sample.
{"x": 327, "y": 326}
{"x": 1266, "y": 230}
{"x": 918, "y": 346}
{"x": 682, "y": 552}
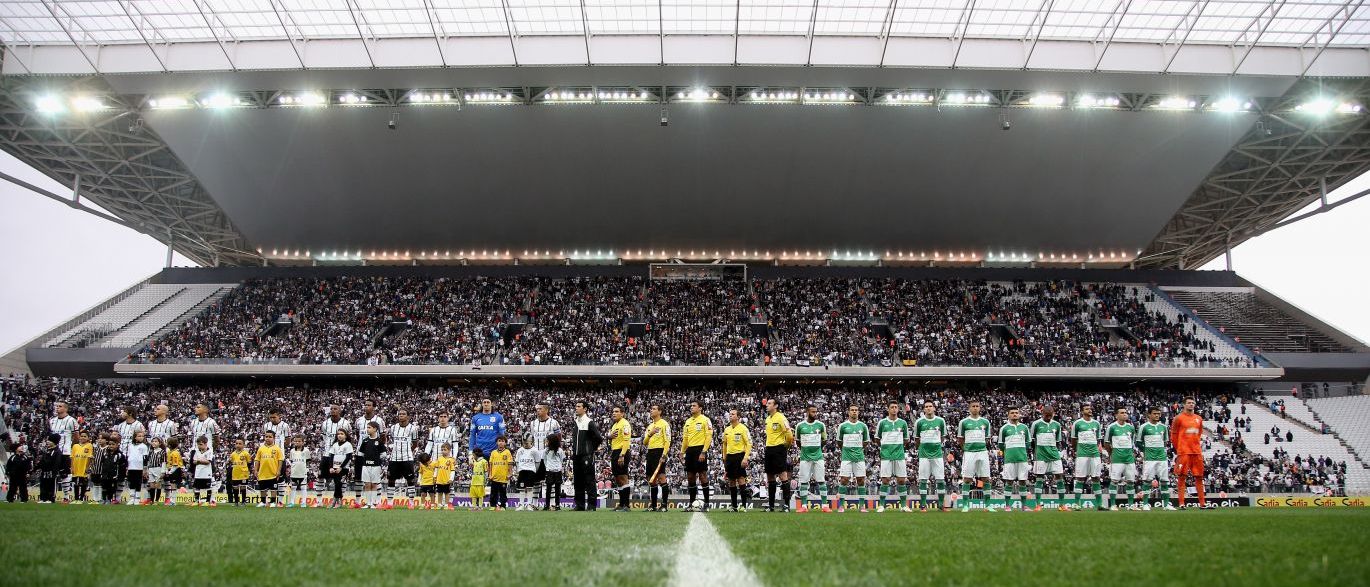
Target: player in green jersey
{"x": 811, "y": 434}
{"x": 929, "y": 430}
{"x": 1122, "y": 461}
{"x": 1013, "y": 447}
{"x": 1084, "y": 443}
{"x": 893, "y": 434}
{"x": 1043, "y": 435}
{"x": 973, "y": 431}
{"x": 1154, "y": 437}
{"x": 851, "y": 473}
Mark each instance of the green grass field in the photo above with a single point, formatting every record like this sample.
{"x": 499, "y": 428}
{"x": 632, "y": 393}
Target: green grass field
{"x": 88, "y": 545}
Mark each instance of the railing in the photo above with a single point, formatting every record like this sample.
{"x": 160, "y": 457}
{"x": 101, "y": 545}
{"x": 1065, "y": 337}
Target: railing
{"x": 659, "y": 363}
{"x": 46, "y": 340}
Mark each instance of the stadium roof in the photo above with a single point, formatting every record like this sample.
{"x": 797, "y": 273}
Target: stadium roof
{"x": 1200, "y": 36}
{"x": 218, "y": 126}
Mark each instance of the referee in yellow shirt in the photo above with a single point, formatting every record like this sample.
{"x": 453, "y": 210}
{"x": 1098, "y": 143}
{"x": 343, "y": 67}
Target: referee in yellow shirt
{"x": 620, "y": 443}
{"x": 737, "y": 454}
{"x": 779, "y": 436}
{"x": 657, "y": 440}
{"x": 696, "y": 439}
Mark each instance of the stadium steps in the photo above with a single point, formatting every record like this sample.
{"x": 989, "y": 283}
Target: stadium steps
{"x": 169, "y": 310}
{"x": 1349, "y": 418}
{"x": 1305, "y": 443}
{"x": 119, "y": 314}
{"x": 1254, "y": 322}
{"x": 194, "y": 311}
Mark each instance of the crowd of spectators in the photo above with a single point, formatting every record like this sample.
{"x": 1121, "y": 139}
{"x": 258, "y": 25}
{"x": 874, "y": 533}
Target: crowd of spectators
{"x": 241, "y": 410}
{"x": 636, "y": 321}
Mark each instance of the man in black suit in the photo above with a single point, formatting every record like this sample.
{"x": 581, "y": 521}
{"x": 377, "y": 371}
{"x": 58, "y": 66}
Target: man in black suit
{"x": 587, "y": 441}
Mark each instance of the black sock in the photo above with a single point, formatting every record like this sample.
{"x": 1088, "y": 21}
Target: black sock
{"x": 732, "y": 493}
{"x": 706, "y": 496}
{"x": 651, "y": 490}
{"x": 770, "y": 493}
{"x": 665, "y": 491}
{"x": 623, "y": 498}
{"x": 785, "y": 491}
{"x": 694, "y": 492}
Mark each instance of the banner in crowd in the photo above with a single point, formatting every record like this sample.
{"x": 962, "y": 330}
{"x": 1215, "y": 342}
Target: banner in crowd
{"x": 1283, "y": 501}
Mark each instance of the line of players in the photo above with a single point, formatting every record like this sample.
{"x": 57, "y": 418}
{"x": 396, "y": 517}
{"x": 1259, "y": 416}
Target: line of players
{"x": 158, "y": 461}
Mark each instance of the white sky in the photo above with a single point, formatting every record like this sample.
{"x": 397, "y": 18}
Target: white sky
{"x": 58, "y": 261}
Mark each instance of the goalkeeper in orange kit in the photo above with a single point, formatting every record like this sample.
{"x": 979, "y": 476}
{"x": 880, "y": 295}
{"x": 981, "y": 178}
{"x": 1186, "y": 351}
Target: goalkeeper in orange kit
{"x": 1186, "y": 430}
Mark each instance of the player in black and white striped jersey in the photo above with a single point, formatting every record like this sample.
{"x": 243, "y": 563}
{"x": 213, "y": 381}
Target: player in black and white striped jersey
{"x": 403, "y": 434}
{"x": 161, "y": 427}
{"x": 369, "y": 416}
{"x": 64, "y": 426}
{"x": 329, "y": 429}
{"x": 443, "y": 433}
{"x": 127, "y": 428}
{"x": 276, "y": 425}
{"x": 539, "y": 429}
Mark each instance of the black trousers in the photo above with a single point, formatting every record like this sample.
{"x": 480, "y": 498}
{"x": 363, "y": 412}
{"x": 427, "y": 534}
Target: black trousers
{"x": 47, "y": 488}
{"x": 19, "y": 489}
{"x": 499, "y": 494}
{"x": 584, "y": 468}
{"x": 553, "y": 481}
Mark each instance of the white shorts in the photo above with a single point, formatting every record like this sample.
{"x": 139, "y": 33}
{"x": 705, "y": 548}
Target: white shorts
{"x": 811, "y": 471}
{"x": 1088, "y": 467}
{"x": 975, "y": 465}
{"x": 1015, "y": 472}
{"x": 1122, "y": 472}
{"x": 1155, "y": 470}
{"x": 154, "y": 475}
{"x": 852, "y": 469}
{"x": 1048, "y": 467}
{"x": 898, "y": 469}
{"x": 932, "y": 469}
{"x": 371, "y": 474}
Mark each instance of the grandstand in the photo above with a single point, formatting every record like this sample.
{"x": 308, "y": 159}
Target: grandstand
{"x": 423, "y": 205}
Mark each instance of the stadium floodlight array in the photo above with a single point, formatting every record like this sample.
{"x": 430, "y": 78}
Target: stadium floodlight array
{"x": 431, "y": 96}
{"x": 966, "y": 98}
{"x": 1322, "y": 106}
{"x": 999, "y": 257}
{"x": 1176, "y": 103}
{"x": 699, "y": 94}
{"x": 1097, "y": 101}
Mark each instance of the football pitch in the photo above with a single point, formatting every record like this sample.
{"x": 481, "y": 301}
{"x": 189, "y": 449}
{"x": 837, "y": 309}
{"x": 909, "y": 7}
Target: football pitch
{"x": 117, "y": 545}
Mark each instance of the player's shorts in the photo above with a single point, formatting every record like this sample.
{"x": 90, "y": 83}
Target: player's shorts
{"x": 852, "y": 469}
{"x": 1088, "y": 467}
{"x": 402, "y": 470}
{"x": 732, "y": 466}
{"x": 1122, "y": 472}
{"x": 932, "y": 469}
{"x": 63, "y": 465}
{"x": 177, "y": 475}
{"x": 1189, "y": 464}
{"x": 428, "y": 490}
{"x": 655, "y": 461}
{"x": 267, "y": 484}
{"x": 371, "y": 474}
{"x": 477, "y": 493}
{"x": 155, "y": 474}
{"x": 975, "y": 465}
{"x": 692, "y": 462}
{"x": 897, "y": 468}
{"x": 135, "y": 479}
{"x": 1015, "y": 471}
{"x": 777, "y": 459}
{"x": 201, "y": 484}
{"x": 527, "y": 478}
{"x": 1159, "y": 470}
{"x": 811, "y": 472}
{"x": 615, "y": 468}
{"x": 299, "y": 482}
{"x": 1048, "y": 467}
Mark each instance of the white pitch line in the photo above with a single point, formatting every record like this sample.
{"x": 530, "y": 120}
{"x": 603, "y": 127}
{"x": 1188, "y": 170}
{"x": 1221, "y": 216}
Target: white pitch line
{"x": 704, "y": 558}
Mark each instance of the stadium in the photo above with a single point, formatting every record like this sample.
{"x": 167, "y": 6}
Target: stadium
{"x": 680, "y": 292}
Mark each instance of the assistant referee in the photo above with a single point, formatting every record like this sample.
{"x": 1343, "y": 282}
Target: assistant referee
{"x": 737, "y": 454}
{"x": 779, "y": 437}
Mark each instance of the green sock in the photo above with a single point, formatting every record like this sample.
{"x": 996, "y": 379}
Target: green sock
{"x": 922, "y": 494}
{"x": 1037, "y": 489}
{"x": 941, "y": 493}
{"x": 965, "y": 493}
{"x": 823, "y": 491}
{"x": 903, "y": 491}
{"x": 884, "y": 493}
